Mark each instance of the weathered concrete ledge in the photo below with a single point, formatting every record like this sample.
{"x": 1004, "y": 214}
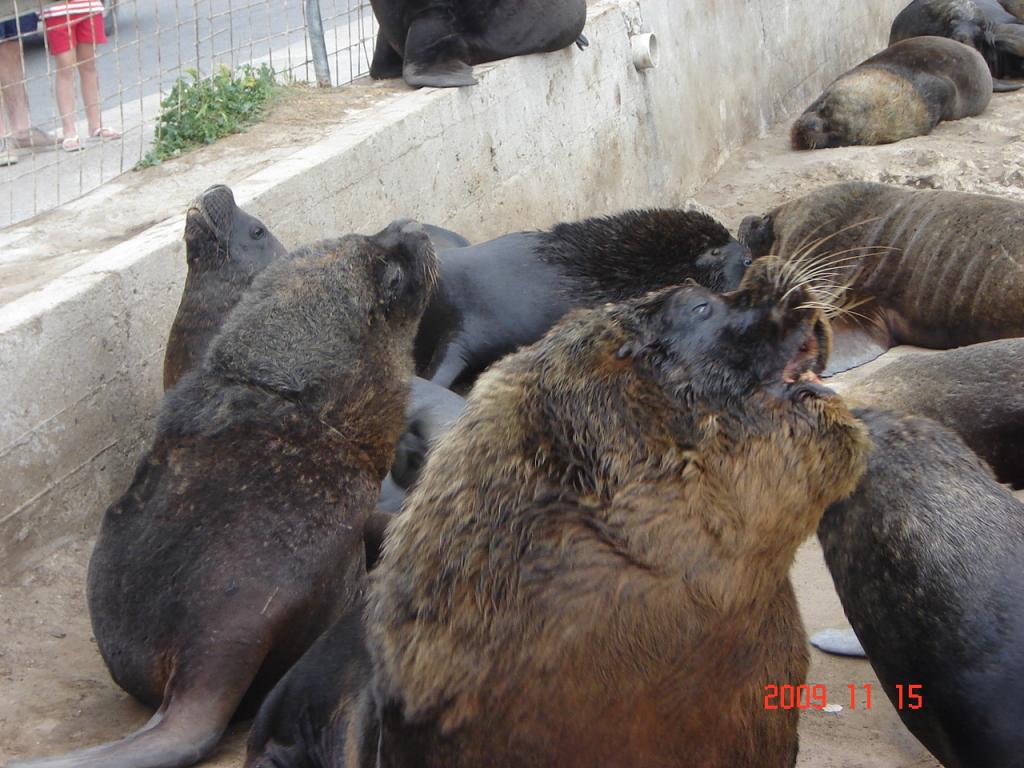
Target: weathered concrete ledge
{"x": 541, "y": 139}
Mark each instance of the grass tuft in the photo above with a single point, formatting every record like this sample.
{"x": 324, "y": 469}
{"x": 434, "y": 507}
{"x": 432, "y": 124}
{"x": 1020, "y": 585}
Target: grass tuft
{"x": 201, "y": 110}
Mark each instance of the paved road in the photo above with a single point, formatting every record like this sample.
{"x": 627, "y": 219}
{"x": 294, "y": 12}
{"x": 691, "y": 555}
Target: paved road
{"x": 152, "y": 44}
{"x": 154, "y": 41}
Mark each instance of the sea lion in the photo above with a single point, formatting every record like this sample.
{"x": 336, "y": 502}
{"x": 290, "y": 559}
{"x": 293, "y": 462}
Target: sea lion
{"x": 926, "y": 556}
{"x": 977, "y": 391}
{"x": 593, "y": 568}
{"x": 225, "y": 249}
{"x": 437, "y": 42}
{"x": 506, "y": 293}
{"x": 985, "y": 25}
{"x": 924, "y": 267}
{"x": 240, "y": 539}
{"x": 906, "y": 90}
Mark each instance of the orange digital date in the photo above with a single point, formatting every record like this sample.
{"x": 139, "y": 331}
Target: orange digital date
{"x": 816, "y": 696}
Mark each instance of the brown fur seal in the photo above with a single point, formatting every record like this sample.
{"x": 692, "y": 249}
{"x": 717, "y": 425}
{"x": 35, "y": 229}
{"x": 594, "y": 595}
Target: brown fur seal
{"x": 926, "y": 556}
{"x": 506, "y": 293}
{"x": 240, "y": 539}
{"x": 930, "y": 268}
{"x": 906, "y": 90}
{"x": 593, "y": 568}
{"x": 437, "y": 42}
{"x": 225, "y": 248}
{"x": 985, "y": 25}
{"x": 977, "y": 391}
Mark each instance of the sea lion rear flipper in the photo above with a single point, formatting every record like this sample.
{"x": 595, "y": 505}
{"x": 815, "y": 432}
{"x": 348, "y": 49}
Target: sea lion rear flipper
{"x": 436, "y": 56}
{"x": 582, "y": 42}
{"x": 854, "y": 344}
{"x": 1005, "y": 86}
{"x": 387, "y": 62}
{"x": 181, "y": 733}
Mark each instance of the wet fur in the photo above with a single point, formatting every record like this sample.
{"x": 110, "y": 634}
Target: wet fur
{"x": 926, "y": 559}
{"x": 240, "y": 538}
{"x": 904, "y": 91}
{"x": 932, "y": 268}
{"x": 506, "y": 293}
{"x": 593, "y": 569}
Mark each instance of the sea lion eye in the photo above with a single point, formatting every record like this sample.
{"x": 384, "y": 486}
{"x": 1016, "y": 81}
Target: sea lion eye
{"x": 257, "y": 232}
{"x": 702, "y": 310}
{"x": 716, "y": 251}
{"x": 747, "y": 261}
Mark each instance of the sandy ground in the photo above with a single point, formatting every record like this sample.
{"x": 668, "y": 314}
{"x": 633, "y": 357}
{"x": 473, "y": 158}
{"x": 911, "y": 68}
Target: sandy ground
{"x": 56, "y": 695}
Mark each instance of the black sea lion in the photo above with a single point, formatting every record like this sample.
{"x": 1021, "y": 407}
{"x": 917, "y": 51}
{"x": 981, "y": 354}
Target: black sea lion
{"x": 977, "y": 391}
{"x": 225, "y": 248}
{"x": 985, "y": 25}
{"x": 906, "y": 90}
{"x": 506, "y": 293}
{"x": 437, "y": 42}
{"x": 930, "y": 268}
{"x": 593, "y": 568}
{"x": 926, "y": 557}
{"x": 240, "y": 539}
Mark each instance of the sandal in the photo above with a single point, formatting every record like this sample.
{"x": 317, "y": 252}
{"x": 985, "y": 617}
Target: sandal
{"x": 103, "y": 133}
{"x": 71, "y": 144}
{"x": 34, "y": 138}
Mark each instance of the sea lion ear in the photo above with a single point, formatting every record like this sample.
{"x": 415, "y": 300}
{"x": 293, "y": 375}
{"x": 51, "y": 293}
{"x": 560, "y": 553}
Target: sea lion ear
{"x": 690, "y": 283}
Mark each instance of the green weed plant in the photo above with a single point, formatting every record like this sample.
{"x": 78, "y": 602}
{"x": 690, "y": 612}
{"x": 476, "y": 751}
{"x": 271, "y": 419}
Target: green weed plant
{"x": 199, "y": 111}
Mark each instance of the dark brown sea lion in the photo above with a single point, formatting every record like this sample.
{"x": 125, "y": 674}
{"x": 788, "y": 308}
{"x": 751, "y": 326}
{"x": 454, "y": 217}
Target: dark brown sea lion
{"x": 240, "y": 539}
{"x": 437, "y": 42}
{"x": 985, "y": 25}
{"x": 930, "y": 268}
{"x": 906, "y": 90}
{"x": 225, "y": 248}
{"x": 977, "y": 391}
{"x": 593, "y": 568}
{"x": 506, "y": 293}
{"x": 926, "y": 557}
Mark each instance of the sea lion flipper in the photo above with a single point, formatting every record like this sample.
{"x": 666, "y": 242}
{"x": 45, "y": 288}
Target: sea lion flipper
{"x": 1005, "y": 86}
{"x": 840, "y": 642}
{"x": 582, "y": 42}
{"x": 854, "y": 345}
{"x": 436, "y": 56}
{"x": 387, "y": 62}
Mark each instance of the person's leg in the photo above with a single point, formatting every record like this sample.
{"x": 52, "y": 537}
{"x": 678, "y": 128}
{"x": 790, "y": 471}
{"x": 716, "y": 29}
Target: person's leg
{"x": 88, "y": 34}
{"x": 64, "y": 80}
{"x": 85, "y": 54}
{"x": 12, "y": 87}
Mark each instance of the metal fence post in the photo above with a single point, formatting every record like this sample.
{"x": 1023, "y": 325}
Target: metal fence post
{"x": 315, "y": 25}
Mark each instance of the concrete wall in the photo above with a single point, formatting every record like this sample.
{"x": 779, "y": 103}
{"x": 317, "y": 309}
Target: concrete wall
{"x": 541, "y": 139}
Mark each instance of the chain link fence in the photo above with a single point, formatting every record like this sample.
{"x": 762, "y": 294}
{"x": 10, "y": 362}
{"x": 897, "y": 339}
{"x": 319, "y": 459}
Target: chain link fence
{"x": 151, "y": 45}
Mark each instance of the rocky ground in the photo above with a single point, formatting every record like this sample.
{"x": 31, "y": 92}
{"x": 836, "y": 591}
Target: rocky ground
{"x": 55, "y": 693}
